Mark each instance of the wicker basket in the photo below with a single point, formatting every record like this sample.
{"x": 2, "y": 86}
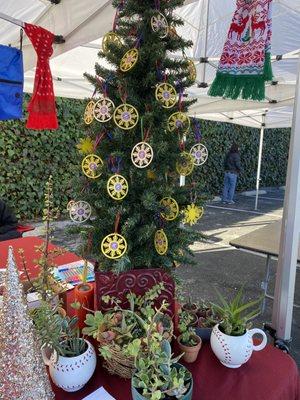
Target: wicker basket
{"x": 119, "y": 364}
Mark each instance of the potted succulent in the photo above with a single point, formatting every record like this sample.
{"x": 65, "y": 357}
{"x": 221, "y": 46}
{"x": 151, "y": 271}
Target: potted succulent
{"x": 189, "y": 343}
{"x": 208, "y": 318}
{"x": 71, "y": 359}
{"x": 116, "y": 329}
{"x": 158, "y": 376}
{"x": 190, "y": 306}
{"x": 231, "y": 340}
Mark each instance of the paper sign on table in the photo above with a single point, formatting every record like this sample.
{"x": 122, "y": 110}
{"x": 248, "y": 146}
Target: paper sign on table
{"x": 99, "y": 394}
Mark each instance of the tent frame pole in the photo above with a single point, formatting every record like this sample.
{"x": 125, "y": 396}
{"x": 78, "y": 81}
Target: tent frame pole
{"x": 289, "y": 239}
{"x": 203, "y": 60}
{"x": 260, "y": 150}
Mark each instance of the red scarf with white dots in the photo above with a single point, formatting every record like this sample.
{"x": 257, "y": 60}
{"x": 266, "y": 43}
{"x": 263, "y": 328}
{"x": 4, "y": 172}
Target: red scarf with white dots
{"x": 41, "y": 108}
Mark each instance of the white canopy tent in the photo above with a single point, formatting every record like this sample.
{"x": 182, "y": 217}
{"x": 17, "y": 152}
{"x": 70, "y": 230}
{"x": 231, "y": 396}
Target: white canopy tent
{"x": 82, "y": 24}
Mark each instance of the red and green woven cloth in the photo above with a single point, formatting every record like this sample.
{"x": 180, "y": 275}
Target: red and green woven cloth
{"x": 245, "y": 64}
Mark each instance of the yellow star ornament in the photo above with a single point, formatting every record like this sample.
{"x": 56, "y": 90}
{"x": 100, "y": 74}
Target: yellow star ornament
{"x": 85, "y": 145}
{"x": 192, "y": 214}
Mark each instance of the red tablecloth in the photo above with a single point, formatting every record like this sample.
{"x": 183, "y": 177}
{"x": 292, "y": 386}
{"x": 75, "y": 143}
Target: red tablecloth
{"x": 28, "y": 245}
{"x": 268, "y": 375}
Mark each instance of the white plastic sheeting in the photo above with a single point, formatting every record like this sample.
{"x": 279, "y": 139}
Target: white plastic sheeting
{"x": 206, "y": 23}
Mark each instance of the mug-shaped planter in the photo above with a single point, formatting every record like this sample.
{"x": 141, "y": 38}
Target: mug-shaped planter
{"x": 233, "y": 351}
{"x": 71, "y": 373}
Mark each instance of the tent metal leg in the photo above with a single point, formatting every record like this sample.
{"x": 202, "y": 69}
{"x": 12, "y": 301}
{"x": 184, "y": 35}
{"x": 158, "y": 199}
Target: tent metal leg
{"x": 203, "y": 59}
{"x": 289, "y": 240}
{"x": 260, "y": 150}
{"x": 265, "y": 283}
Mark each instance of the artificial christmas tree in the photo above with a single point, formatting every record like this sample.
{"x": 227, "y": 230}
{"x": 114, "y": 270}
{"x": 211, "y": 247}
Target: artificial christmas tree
{"x": 23, "y": 374}
{"x": 137, "y": 121}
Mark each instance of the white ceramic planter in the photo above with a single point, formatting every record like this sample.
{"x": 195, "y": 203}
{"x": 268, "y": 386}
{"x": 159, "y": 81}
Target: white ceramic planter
{"x": 72, "y": 373}
{"x": 233, "y": 351}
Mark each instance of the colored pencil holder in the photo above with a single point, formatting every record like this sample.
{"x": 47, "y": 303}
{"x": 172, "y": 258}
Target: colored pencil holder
{"x": 84, "y": 294}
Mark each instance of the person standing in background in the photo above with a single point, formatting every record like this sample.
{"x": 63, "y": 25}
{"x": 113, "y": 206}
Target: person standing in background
{"x": 8, "y": 223}
{"x": 232, "y": 167}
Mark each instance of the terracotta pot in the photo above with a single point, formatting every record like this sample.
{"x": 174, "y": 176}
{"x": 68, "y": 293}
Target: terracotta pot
{"x": 233, "y": 351}
{"x": 84, "y": 294}
{"x": 193, "y": 323}
{"x": 191, "y": 308}
{"x": 190, "y": 352}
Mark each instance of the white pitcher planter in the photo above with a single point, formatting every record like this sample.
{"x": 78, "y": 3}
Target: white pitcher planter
{"x": 233, "y": 351}
{"x": 71, "y": 373}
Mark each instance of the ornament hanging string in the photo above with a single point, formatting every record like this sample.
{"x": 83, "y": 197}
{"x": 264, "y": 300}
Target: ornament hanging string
{"x": 115, "y": 164}
{"x": 182, "y": 145}
{"x": 144, "y": 133}
{"x": 157, "y": 4}
{"x": 160, "y": 222}
{"x": 159, "y": 71}
{"x": 119, "y": 8}
{"x": 180, "y": 97}
{"x": 138, "y": 41}
{"x": 197, "y": 129}
{"x": 103, "y": 86}
{"x": 98, "y": 139}
{"x": 122, "y": 93}
{"x": 117, "y": 222}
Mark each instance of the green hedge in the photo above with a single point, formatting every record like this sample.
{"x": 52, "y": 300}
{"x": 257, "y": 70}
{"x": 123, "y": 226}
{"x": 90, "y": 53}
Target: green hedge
{"x": 28, "y": 157}
{"x": 218, "y": 138}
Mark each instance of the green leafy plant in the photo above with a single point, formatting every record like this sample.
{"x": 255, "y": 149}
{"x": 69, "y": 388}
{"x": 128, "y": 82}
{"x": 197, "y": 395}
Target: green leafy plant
{"x": 187, "y": 333}
{"x": 235, "y": 315}
{"x": 119, "y": 327}
{"x": 45, "y": 285}
{"x": 158, "y": 376}
{"x": 57, "y": 332}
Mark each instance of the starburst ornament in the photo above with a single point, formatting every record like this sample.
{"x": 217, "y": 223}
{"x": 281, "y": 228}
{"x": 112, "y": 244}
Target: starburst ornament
{"x": 159, "y": 24}
{"x": 161, "y": 242}
{"x": 23, "y": 374}
{"x": 171, "y": 208}
{"x": 129, "y": 60}
{"x": 110, "y": 38}
{"x": 199, "y": 153}
{"x": 192, "y": 214}
{"x": 85, "y": 145}
{"x": 80, "y": 211}
{"x": 92, "y": 166}
{"x": 166, "y": 94}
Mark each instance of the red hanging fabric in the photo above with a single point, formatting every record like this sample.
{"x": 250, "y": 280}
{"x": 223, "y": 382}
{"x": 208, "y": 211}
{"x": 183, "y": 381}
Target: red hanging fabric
{"x": 41, "y": 108}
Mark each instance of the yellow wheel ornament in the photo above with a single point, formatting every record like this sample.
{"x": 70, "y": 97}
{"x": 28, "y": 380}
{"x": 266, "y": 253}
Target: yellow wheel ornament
{"x": 85, "y": 145}
{"x": 103, "y": 110}
{"x": 171, "y": 208}
{"x": 199, "y": 153}
{"x": 159, "y": 24}
{"x": 117, "y": 187}
{"x": 129, "y": 60}
{"x": 179, "y": 121}
{"x": 192, "y": 70}
{"x": 92, "y": 166}
{"x": 126, "y": 116}
{"x": 185, "y": 164}
{"x": 142, "y": 155}
{"x": 110, "y": 38}
{"x": 166, "y": 94}
{"x": 192, "y": 214}
{"x": 114, "y": 246}
{"x": 88, "y": 116}
{"x": 161, "y": 242}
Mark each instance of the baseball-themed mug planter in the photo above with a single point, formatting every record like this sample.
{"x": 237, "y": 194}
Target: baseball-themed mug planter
{"x": 231, "y": 339}
{"x": 71, "y": 373}
{"x": 233, "y": 351}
